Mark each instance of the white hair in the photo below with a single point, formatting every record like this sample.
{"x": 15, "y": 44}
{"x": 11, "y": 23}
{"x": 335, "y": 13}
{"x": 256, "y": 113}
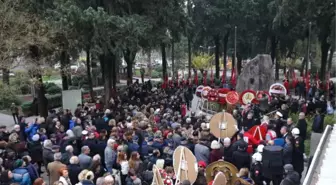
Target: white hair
{"x": 100, "y": 181}
{"x": 109, "y": 179}
{"x": 69, "y": 148}
{"x": 74, "y": 160}
{"x": 84, "y": 148}
{"x": 96, "y": 157}
{"x": 110, "y": 142}
{"x": 47, "y": 143}
{"x": 57, "y": 156}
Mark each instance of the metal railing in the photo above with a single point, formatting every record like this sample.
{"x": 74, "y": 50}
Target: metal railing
{"x": 317, "y": 155}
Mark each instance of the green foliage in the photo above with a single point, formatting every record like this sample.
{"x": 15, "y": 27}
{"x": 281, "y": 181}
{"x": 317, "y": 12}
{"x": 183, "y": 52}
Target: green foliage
{"x": 79, "y": 80}
{"x": 156, "y": 74}
{"x": 52, "y": 88}
{"x": 202, "y": 61}
{"x": 8, "y": 96}
{"x": 21, "y": 82}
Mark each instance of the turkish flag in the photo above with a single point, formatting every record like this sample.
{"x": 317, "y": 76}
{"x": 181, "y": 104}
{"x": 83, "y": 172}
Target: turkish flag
{"x": 205, "y": 78}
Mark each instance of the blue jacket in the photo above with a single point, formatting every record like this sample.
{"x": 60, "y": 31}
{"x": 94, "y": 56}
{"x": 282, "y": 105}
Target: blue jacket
{"x": 110, "y": 158}
{"x": 21, "y": 176}
{"x": 133, "y": 147}
{"x": 71, "y": 124}
{"x": 32, "y": 130}
{"x": 33, "y": 174}
{"x": 144, "y": 149}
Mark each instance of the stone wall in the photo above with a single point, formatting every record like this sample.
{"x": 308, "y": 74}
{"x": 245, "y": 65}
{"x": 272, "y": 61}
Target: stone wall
{"x": 257, "y": 74}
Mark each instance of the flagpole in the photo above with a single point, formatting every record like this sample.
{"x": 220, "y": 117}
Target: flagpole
{"x": 308, "y": 47}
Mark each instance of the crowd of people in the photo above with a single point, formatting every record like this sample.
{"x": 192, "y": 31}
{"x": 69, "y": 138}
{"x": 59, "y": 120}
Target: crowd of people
{"x": 120, "y": 143}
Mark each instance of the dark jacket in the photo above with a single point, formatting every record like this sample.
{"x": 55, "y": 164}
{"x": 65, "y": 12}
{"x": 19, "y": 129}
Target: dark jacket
{"x": 48, "y": 156}
{"x": 302, "y": 126}
{"x": 35, "y": 151}
{"x": 215, "y": 155}
{"x": 74, "y": 171}
{"x": 241, "y": 159}
{"x": 228, "y": 154}
{"x": 87, "y": 182}
{"x": 287, "y": 154}
{"x": 291, "y": 178}
{"x": 32, "y": 172}
{"x": 318, "y": 123}
{"x": 256, "y": 173}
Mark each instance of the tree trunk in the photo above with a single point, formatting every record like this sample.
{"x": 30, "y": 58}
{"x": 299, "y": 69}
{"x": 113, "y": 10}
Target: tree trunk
{"x": 273, "y": 48}
{"x": 149, "y": 63}
{"x": 42, "y": 101}
{"x": 164, "y": 60}
{"x": 5, "y": 76}
{"x": 107, "y": 76}
{"x": 114, "y": 73}
{"x": 102, "y": 64}
{"x": 64, "y": 74}
{"x": 129, "y": 57}
{"x": 331, "y": 57}
{"x": 324, "y": 58}
{"x": 118, "y": 62}
{"x": 189, "y": 57}
{"x": 225, "y": 44}
{"x": 69, "y": 69}
{"x": 173, "y": 60}
{"x": 239, "y": 63}
{"x": 217, "y": 45}
{"x": 277, "y": 66}
{"x": 88, "y": 70}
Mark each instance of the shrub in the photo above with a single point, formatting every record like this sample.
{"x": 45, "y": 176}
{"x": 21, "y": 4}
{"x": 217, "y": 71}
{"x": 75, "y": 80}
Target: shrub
{"x": 52, "y": 88}
{"x": 156, "y": 74}
{"x": 8, "y": 96}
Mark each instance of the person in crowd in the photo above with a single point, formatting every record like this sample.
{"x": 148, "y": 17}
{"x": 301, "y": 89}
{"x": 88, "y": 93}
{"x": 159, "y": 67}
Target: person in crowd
{"x": 202, "y": 152}
{"x": 31, "y": 168}
{"x": 284, "y": 132}
{"x": 215, "y": 153}
{"x": 244, "y": 178}
{"x": 39, "y": 181}
{"x": 67, "y": 154}
{"x": 97, "y": 167}
{"x": 240, "y": 142}
{"x": 86, "y": 177}
{"x": 288, "y": 150}
{"x": 132, "y": 178}
{"x": 122, "y": 161}
{"x": 108, "y": 180}
{"x": 74, "y": 169}
{"x": 298, "y": 152}
{"x": 85, "y": 160}
{"x": 135, "y": 163}
{"x": 318, "y": 122}
{"x": 110, "y": 155}
{"x": 20, "y": 174}
{"x": 15, "y": 113}
{"x": 228, "y": 152}
{"x": 32, "y": 128}
{"x": 54, "y": 167}
{"x": 35, "y": 151}
{"x": 64, "y": 176}
{"x": 302, "y": 126}
{"x": 240, "y": 158}
{"x": 256, "y": 169}
{"x": 290, "y": 125}
{"x": 291, "y": 176}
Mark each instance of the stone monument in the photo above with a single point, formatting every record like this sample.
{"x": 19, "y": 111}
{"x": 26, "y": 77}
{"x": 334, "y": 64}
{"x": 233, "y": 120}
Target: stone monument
{"x": 257, "y": 74}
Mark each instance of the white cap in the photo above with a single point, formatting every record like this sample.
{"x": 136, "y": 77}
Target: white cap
{"x": 188, "y": 120}
{"x": 227, "y": 140}
{"x": 85, "y": 132}
{"x": 215, "y": 145}
{"x": 260, "y": 148}
{"x": 295, "y": 131}
{"x": 257, "y": 157}
{"x": 279, "y": 114}
{"x": 107, "y": 111}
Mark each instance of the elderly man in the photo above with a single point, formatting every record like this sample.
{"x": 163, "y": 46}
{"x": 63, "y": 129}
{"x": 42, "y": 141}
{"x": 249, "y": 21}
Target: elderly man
{"x": 85, "y": 160}
{"x": 290, "y": 124}
{"x": 110, "y": 155}
{"x": 54, "y": 167}
{"x": 74, "y": 169}
{"x": 67, "y": 154}
{"x": 302, "y": 126}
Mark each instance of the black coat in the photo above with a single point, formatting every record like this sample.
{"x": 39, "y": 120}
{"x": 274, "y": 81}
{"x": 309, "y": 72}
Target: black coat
{"x": 287, "y": 154}
{"x": 256, "y": 173}
{"x": 35, "y": 151}
{"x": 228, "y": 154}
{"x": 74, "y": 171}
{"x": 292, "y": 178}
{"x": 241, "y": 159}
{"x": 298, "y": 160}
{"x": 302, "y": 126}
{"x": 92, "y": 144}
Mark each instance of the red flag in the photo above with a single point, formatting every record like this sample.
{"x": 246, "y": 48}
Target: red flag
{"x": 307, "y": 80}
{"x": 223, "y": 76}
{"x": 205, "y": 78}
{"x": 195, "y": 78}
{"x": 295, "y": 80}
{"x": 212, "y": 78}
{"x": 233, "y": 77}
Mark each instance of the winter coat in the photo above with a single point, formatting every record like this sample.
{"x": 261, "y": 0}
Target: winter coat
{"x": 302, "y": 126}
{"x": 110, "y": 158}
{"x": 66, "y": 158}
{"x": 85, "y": 161}
{"x": 21, "y": 176}
{"x": 32, "y": 130}
{"x": 35, "y": 151}
{"x": 241, "y": 159}
{"x": 32, "y": 172}
{"x": 256, "y": 173}
{"x": 48, "y": 156}
{"x": 202, "y": 153}
{"x": 215, "y": 155}
{"x": 228, "y": 154}
{"x": 287, "y": 154}
{"x": 74, "y": 171}
{"x": 53, "y": 169}
{"x": 291, "y": 178}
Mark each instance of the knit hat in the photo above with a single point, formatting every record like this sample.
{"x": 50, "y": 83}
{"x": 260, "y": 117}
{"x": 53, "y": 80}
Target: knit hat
{"x": 288, "y": 168}
{"x": 18, "y": 163}
{"x": 215, "y": 145}
{"x": 36, "y": 137}
{"x": 202, "y": 164}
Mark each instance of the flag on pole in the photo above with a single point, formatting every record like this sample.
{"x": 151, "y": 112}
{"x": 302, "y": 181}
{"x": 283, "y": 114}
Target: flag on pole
{"x": 233, "y": 77}
{"x": 205, "y": 78}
